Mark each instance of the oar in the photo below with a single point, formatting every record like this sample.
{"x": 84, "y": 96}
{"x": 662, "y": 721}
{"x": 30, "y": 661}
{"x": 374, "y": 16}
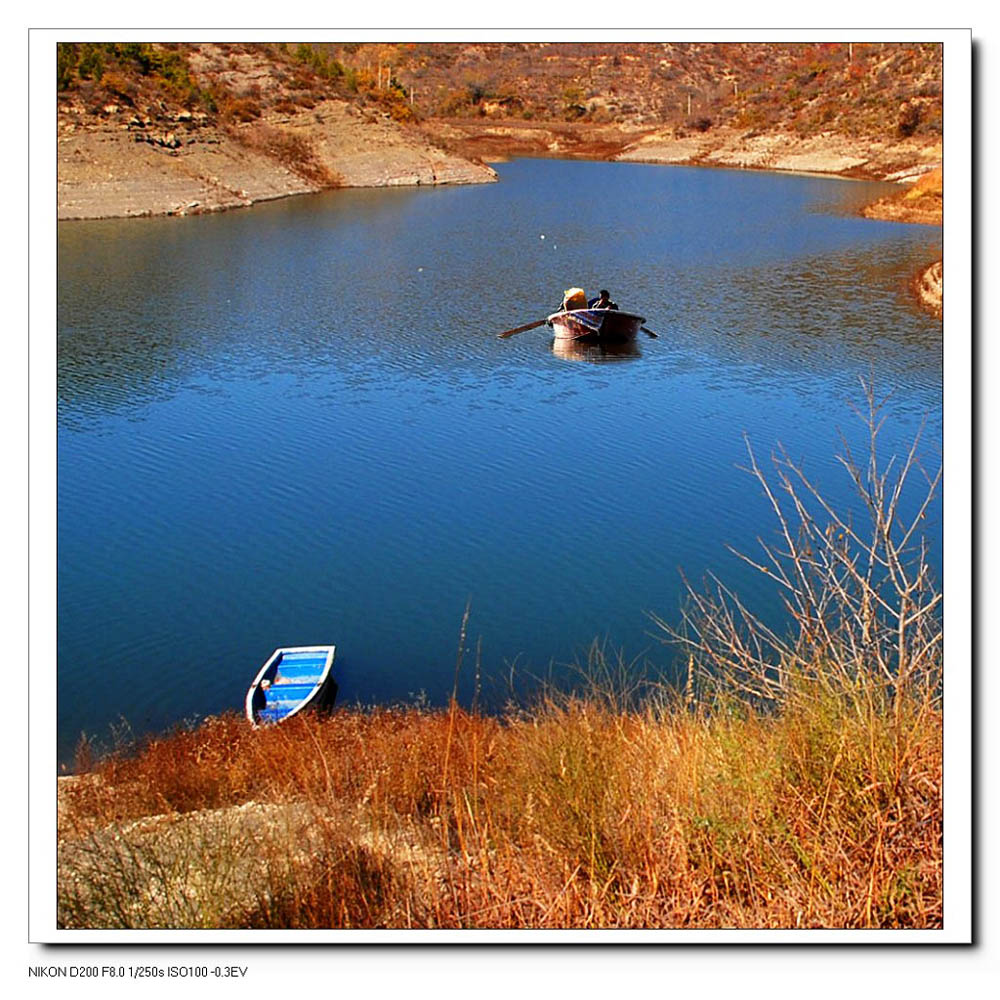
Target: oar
{"x": 647, "y": 330}
{"x": 521, "y": 329}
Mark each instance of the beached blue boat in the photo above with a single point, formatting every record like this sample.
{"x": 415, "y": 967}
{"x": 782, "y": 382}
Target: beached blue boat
{"x": 293, "y": 679}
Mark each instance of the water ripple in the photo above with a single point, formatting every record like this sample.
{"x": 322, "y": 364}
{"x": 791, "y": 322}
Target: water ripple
{"x": 297, "y": 424}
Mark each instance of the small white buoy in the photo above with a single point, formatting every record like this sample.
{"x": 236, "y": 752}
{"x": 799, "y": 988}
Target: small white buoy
{"x": 542, "y": 237}
{"x": 419, "y": 268}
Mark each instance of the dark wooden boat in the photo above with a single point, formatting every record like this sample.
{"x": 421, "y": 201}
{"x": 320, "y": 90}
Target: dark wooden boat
{"x": 611, "y": 325}
{"x": 293, "y": 679}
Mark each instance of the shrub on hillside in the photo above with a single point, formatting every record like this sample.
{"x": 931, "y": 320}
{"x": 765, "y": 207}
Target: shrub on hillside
{"x": 90, "y": 64}
{"x": 699, "y": 124}
{"x": 240, "y": 109}
{"x": 66, "y": 60}
{"x": 456, "y": 102}
{"x": 909, "y": 119}
{"x": 120, "y": 86}
{"x": 129, "y": 66}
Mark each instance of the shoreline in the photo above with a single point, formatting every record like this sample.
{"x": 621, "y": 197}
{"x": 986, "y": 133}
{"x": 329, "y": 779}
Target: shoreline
{"x": 238, "y": 199}
{"x": 122, "y": 168}
{"x": 126, "y": 168}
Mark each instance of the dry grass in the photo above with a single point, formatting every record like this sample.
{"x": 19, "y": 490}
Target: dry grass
{"x": 572, "y": 815}
{"x": 795, "y": 782}
{"x": 291, "y": 149}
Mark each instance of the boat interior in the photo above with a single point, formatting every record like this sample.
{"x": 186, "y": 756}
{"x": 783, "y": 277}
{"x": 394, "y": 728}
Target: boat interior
{"x": 289, "y": 681}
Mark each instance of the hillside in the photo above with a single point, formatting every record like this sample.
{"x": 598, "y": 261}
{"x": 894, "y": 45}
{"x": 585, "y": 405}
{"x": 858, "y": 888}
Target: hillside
{"x": 853, "y": 89}
{"x": 158, "y": 128}
{"x": 859, "y": 110}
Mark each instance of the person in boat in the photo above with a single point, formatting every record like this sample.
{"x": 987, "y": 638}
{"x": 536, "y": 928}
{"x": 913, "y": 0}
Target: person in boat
{"x": 603, "y": 301}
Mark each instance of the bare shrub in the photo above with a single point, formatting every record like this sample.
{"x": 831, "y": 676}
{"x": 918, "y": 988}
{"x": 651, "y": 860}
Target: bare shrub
{"x": 240, "y": 109}
{"x": 864, "y": 608}
{"x": 909, "y": 119}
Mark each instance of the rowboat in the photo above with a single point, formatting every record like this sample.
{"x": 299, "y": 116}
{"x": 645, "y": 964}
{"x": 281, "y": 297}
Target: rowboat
{"x": 610, "y": 325}
{"x": 293, "y": 679}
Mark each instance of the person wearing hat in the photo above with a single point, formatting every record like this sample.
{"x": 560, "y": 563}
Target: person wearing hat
{"x": 603, "y": 301}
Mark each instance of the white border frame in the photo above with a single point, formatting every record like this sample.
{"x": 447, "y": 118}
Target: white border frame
{"x": 957, "y": 478}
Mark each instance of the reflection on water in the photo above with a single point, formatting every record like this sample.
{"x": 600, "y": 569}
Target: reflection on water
{"x": 296, "y": 425}
{"x": 595, "y": 351}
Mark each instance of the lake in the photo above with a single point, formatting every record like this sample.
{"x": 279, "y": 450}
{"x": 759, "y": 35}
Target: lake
{"x": 295, "y": 424}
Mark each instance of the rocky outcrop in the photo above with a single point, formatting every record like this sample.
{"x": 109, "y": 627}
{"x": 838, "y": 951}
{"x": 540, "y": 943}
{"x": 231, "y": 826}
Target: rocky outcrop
{"x": 898, "y": 159}
{"x": 929, "y": 287}
{"x": 921, "y": 202}
{"x": 130, "y": 165}
{"x": 108, "y": 174}
{"x": 823, "y": 153}
{"x": 369, "y": 150}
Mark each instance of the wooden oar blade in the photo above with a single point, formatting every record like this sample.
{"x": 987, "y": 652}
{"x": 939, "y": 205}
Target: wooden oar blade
{"x": 520, "y": 329}
{"x": 645, "y": 329}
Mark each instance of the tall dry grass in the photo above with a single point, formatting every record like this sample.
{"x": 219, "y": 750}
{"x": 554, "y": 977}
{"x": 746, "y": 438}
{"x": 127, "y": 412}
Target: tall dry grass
{"x": 569, "y": 816}
{"x": 794, "y": 782}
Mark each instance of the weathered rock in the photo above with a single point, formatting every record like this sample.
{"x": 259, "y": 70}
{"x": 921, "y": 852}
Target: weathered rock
{"x": 823, "y": 153}
{"x": 921, "y": 201}
{"x": 929, "y": 287}
{"x": 260, "y": 162}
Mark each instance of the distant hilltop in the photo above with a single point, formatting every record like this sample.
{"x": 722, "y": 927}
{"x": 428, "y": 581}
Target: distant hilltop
{"x": 153, "y": 128}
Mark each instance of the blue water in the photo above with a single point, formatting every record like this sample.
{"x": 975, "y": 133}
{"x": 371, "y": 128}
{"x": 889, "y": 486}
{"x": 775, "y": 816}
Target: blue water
{"x": 295, "y": 425}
